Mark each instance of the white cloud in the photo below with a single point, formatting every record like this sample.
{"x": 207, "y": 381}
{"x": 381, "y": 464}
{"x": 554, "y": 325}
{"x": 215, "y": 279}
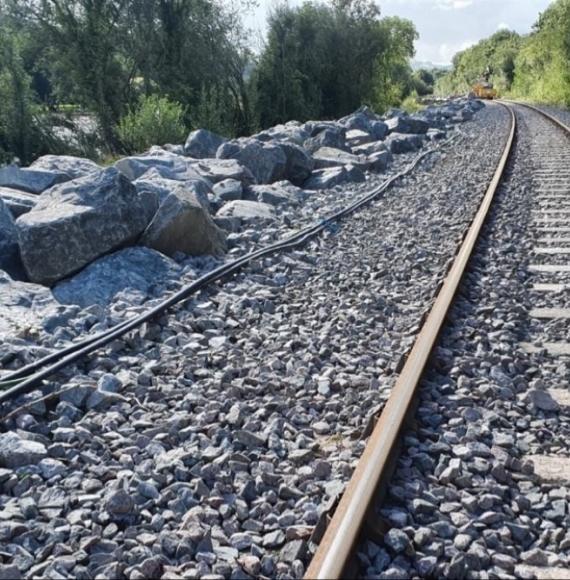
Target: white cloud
{"x": 454, "y": 4}
{"x": 503, "y": 26}
{"x": 446, "y": 51}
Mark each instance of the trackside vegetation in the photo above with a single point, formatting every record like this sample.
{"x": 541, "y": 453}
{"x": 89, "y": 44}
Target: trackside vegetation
{"x": 533, "y": 67}
{"x": 104, "y": 77}
{"x": 148, "y": 72}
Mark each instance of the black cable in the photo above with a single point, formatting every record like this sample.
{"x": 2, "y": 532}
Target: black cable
{"x": 74, "y": 352}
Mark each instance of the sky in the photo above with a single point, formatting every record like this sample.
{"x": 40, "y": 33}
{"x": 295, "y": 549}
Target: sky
{"x": 445, "y": 26}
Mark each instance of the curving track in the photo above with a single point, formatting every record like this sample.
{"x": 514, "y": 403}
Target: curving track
{"x": 226, "y": 426}
{"x": 549, "y": 270}
{"x": 242, "y": 412}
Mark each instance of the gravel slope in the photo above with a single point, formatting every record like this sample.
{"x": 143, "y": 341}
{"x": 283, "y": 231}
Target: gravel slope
{"x": 464, "y": 501}
{"x": 219, "y": 433}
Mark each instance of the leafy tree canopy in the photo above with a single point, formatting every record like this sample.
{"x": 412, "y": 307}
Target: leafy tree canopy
{"x": 325, "y": 60}
{"x": 534, "y": 67}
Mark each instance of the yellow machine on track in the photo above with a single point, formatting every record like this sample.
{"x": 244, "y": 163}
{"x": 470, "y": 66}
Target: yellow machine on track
{"x": 484, "y": 90}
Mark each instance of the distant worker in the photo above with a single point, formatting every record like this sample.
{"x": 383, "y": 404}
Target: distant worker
{"x": 487, "y": 74}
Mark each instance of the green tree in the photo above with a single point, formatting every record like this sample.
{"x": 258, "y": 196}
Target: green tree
{"x": 324, "y": 61}
{"x": 495, "y": 54}
{"x": 17, "y": 123}
{"x": 393, "y": 75}
{"x": 534, "y": 67}
{"x": 85, "y": 37}
{"x": 289, "y": 77}
{"x": 542, "y": 67}
{"x": 184, "y": 48}
{"x": 423, "y": 82}
{"x": 103, "y": 54}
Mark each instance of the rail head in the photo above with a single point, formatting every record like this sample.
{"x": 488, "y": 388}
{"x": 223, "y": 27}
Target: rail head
{"x": 334, "y": 551}
{"x": 548, "y": 116}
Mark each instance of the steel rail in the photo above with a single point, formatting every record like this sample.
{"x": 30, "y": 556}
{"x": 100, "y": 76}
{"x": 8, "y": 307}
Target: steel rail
{"x": 24, "y": 380}
{"x": 335, "y": 549}
{"x": 550, "y": 117}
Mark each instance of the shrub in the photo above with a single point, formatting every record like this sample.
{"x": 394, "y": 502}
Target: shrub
{"x": 154, "y": 121}
{"x": 410, "y": 104}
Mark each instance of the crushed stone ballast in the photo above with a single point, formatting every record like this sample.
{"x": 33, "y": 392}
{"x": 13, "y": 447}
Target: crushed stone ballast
{"x": 27, "y": 378}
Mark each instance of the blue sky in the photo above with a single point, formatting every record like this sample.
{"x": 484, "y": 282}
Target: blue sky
{"x": 445, "y": 26}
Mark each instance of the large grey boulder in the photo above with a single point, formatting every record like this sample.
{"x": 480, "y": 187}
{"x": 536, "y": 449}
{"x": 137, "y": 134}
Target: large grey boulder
{"x": 153, "y": 181}
{"x": 446, "y": 112}
{"x": 327, "y": 178}
{"x": 403, "y": 143}
{"x": 266, "y": 161}
{"x": 356, "y": 137}
{"x": 418, "y": 126}
{"x": 216, "y": 170}
{"x": 329, "y": 136}
{"x": 133, "y": 270}
{"x": 291, "y": 132}
{"x": 152, "y": 194}
{"x": 379, "y": 161}
{"x": 197, "y": 188}
{"x": 436, "y": 134}
{"x": 168, "y": 164}
{"x": 475, "y": 104}
{"x": 435, "y": 117}
{"x": 360, "y": 119}
{"x": 183, "y": 224}
{"x": 186, "y": 173}
{"x": 156, "y": 185}
{"x": 279, "y": 193}
{"x": 328, "y": 157}
{"x": 245, "y": 210}
{"x": 405, "y": 124}
{"x": 76, "y": 222}
{"x": 379, "y": 130}
{"x": 169, "y": 148}
{"x": 174, "y": 153}
{"x": 229, "y": 190}
{"x": 24, "y": 306}
{"x": 9, "y": 249}
{"x": 15, "y": 451}
{"x": 18, "y": 202}
{"x": 30, "y": 180}
{"x": 316, "y": 127}
{"x": 203, "y": 143}
{"x": 463, "y": 115}
{"x": 158, "y": 188}
{"x": 75, "y": 167}
{"x": 299, "y": 163}
{"x": 370, "y": 148}
{"x": 168, "y": 151}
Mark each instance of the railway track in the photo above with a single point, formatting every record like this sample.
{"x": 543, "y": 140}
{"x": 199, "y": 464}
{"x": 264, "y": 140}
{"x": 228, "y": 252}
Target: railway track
{"x": 244, "y": 411}
{"x": 359, "y": 517}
